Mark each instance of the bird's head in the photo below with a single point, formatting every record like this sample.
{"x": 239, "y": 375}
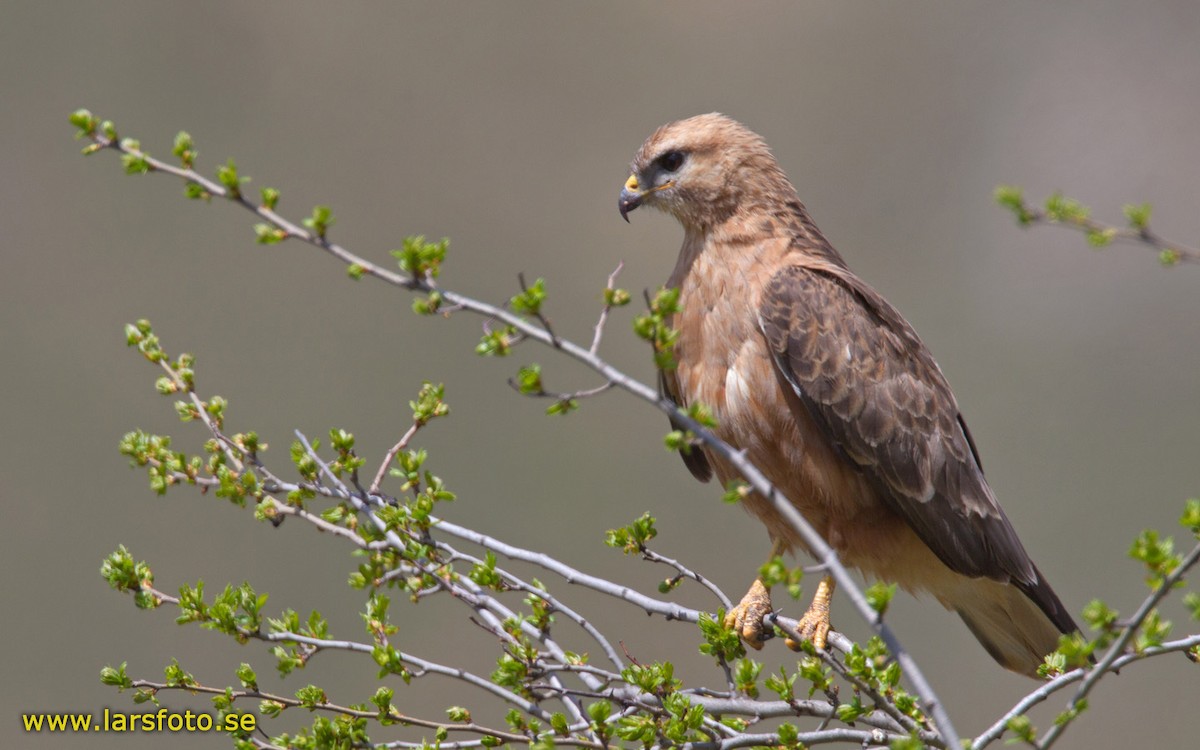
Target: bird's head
{"x": 700, "y": 170}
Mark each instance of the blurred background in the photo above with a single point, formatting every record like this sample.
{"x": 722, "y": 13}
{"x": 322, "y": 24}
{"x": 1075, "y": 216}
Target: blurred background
{"x": 508, "y": 128}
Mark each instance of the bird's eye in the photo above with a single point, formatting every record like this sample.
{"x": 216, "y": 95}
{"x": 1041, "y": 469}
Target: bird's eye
{"x": 671, "y": 161}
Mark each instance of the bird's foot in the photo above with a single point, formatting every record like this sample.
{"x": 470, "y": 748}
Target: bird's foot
{"x": 747, "y": 617}
{"x": 814, "y": 625}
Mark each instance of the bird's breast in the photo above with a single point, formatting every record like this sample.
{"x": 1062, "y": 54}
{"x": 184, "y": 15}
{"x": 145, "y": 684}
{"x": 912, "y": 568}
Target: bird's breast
{"x": 724, "y": 363}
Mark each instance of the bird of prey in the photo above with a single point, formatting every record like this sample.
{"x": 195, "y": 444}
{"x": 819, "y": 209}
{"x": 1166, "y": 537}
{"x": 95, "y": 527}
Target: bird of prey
{"x": 832, "y": 395}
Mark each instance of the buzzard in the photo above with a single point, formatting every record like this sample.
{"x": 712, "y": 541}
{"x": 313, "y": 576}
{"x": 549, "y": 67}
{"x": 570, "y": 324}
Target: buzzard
{"x": 832, "y": 395}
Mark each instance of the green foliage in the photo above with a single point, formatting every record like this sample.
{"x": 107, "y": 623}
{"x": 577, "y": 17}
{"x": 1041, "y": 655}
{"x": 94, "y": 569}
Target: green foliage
{"x": 1061, "y": 208}
{"x": 540, "y": 611}
{"x": 782, "y": 685}
{"x": 227, "y": 175}
{"x": 736, "y": 491}
{"x": 1101, "y": 237}
{"x": 879, "y": 596}
{"x": 775, "y": 572}
{"x": 789, "y": 736}
{"x": 184, "y": 149}
{"x": 123, "y": 573}
{"x": 429, "y": 404}
{"x": 655, "y": 327}
{"x": 135, "y": 160}
{"x": 116, "y": 677}
{"x": 1137, "y": 215}
{"x": 1013, "y": 198}
{"x": 319, "y": 221}
{"x": 1191, "y": 600}
{"x": 498, "y": 342}
{"x": 270, "y": 198}
{"x": 616, "y": 297}
{"x": 1153, "y": 632}
{"x": 1099, "y": 616}
{"x": 632, "y": 538}
{"x": 1157, "y": 554}
{"x": 816, "y": 674}
{"x": 529, "y": 300}
{"x": 724, "y": 645}
{"x": 529, "y": 380}
{"x": 912, "y": 742}
{"x": 485, "y": 574}
{"x": 1071, "y": 713}
{"x": 685, "y": 441}
{"x": 164, "y": 466}
{"x": 305, "y": 463}
{"x": 683, "y": 719}
{"x": 562, "y": 406}
{"x": 1169, "y": 256}
{"x": 657, "y": 679}
{"x": 1022, "y": 729}
{"x": 196, "y": 191}
{"x": 1073, "y": 651}
{"x": 85, "y": 122}
{"x": 1190, "y": 519}
{"x": 511, "y": 673}
{"x": 141, "y": 335}
{"x": 745, "y": 676}
{"x": 428, "y": 305}
{"x": 177, "y": 677}
{"x": 421, "y": 259}
{"x": 247, "y": 677}
{"x": 236, "y": 611}
{"x": 346, "y": 463}
{"x": 268, "y": 234}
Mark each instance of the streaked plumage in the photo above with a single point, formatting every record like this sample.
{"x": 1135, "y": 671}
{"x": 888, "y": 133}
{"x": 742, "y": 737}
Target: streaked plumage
{"x": 830, "y": 392}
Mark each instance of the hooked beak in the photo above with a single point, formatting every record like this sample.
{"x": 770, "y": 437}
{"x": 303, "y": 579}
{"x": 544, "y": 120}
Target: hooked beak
{"x": 630, "y": 198}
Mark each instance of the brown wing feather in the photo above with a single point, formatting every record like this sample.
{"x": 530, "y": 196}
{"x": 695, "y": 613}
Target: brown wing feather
{"x": 693, "y": 459}
{"x": 878, "y": 395}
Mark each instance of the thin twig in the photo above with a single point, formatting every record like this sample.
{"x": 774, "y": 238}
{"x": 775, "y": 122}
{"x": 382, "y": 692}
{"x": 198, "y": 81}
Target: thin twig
{"x": 391, "y": 455}
{"x": 609, "y": 288}
{"x": 686, "y": 572}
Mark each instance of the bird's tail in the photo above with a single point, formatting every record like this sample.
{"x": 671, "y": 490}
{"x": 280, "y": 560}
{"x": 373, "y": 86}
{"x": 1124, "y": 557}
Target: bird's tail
{"x": 1017, "y": 625}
